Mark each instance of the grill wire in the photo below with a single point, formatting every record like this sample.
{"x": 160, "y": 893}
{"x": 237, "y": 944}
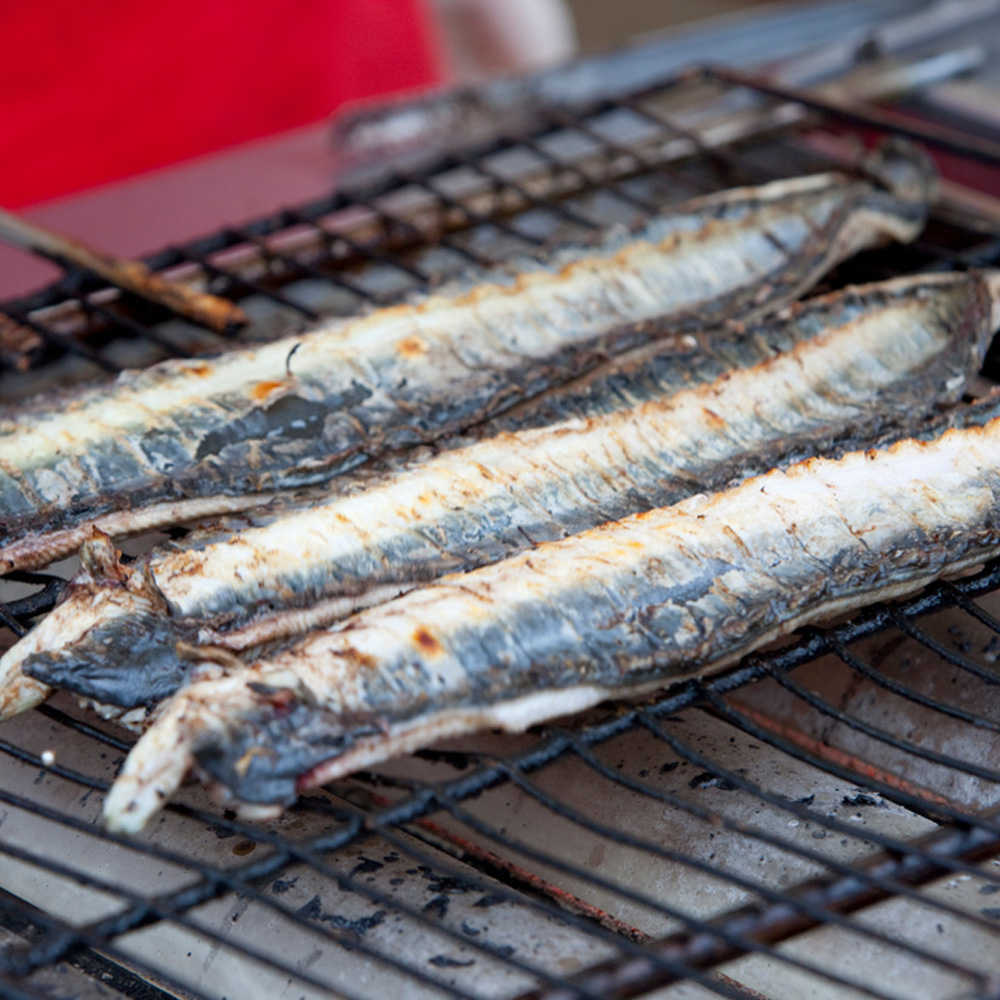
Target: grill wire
{"x": 819, "y": 820}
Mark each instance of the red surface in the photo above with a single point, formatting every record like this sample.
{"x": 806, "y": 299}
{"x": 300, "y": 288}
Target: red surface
{"x": 96, "y": 91}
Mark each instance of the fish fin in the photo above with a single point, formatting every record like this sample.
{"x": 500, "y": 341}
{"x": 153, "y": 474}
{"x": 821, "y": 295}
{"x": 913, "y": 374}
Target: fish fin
{"x": 157, "y": 765}
{"x": 102, "y": 566}
{"x": 101, "y": 562}
{"x": 148, "y": 779}
{"x": 142, "y": 583}
{"x": 207, "y": 656}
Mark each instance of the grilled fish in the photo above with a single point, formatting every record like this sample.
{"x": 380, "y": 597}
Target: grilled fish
{"x": 188, "y": 438}
{"x": 618, "y": 610}
{"x": 103, "y": 590}
{"x": 868, "y": 356}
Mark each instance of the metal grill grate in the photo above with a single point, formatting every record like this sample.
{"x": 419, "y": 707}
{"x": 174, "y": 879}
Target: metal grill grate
{"x": 820, "y": 820}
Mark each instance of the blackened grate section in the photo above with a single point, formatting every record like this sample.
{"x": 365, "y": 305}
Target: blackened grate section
{"x": 821, "y": 820}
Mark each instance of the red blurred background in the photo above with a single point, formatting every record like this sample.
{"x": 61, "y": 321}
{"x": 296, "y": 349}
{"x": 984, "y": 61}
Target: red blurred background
{"x": 92, "y": 92}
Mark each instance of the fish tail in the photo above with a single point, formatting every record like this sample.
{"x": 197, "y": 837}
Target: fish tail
{"x": 158, "y": 763}
{"x": 903, "y": 169}
{"x": 148, "y": 780}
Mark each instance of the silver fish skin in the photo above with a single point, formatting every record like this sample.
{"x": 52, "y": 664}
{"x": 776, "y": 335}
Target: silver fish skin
{"x": 866, "y": 358}
{"x": 70, "y": 642}
{"x": 186, "y": 438}
{"x": 619, "y": 610}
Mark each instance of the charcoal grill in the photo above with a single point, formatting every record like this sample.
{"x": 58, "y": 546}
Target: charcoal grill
{"x": 820, "y": 820}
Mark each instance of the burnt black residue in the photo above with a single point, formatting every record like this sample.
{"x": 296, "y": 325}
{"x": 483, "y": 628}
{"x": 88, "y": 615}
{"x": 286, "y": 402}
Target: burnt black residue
{"x": 128, "y": 662}
{"x": 437, "y": 907}
{"x": 364, "y": 867}
{"x": 357, "y": 927}
{"x": 708, "y": 780}
{"x": 861, "y": 800}
{"x": 444, "y": 962}
{"x": 288, "y": 418}
{"x": 490, "y": 899}
{"x": 447, "y": 884}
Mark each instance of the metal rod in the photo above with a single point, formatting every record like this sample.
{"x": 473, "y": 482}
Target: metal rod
{"x": 631, "y": 977}
{"x": 861, "y": 114}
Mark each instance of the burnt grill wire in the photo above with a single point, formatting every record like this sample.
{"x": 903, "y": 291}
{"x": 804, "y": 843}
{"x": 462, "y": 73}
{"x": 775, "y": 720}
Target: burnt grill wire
{"x": 573, "y": 174}
{"x": 962, "y": 840}
{"x": 899, "y": 814}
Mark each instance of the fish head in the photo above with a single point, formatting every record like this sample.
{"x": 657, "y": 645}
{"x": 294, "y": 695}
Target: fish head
{"x": 128, "y": 661}
{"x": 264, "y": 755}
{"x": 104, "y": 591}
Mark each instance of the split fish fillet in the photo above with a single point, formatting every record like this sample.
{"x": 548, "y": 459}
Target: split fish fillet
{"x": 864, "y": 359}
{"x": 190, "y": 438}
{"x": 619, "y": 610}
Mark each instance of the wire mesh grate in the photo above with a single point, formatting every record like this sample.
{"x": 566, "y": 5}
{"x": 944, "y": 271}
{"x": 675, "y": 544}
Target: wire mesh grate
{"x": 821, "y": 819}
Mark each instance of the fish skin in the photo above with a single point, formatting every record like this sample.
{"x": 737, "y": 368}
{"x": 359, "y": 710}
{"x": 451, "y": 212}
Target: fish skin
{"x": 306, "y": 408}
{"x": 619, "y": 610}
{"x": 117, "y": 643}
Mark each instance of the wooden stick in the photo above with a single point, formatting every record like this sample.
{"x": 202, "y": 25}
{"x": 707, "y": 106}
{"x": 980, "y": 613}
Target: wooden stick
{"x": 129, "y": 275}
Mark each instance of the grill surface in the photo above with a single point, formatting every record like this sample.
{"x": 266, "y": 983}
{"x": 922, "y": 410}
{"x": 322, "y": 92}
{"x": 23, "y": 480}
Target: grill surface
{"x": 820, "y": 820}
